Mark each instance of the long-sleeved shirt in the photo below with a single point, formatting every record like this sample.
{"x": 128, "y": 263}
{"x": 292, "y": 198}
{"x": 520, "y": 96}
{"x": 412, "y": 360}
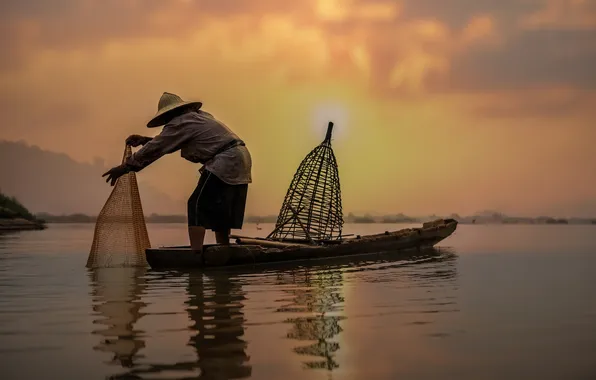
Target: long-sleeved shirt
{"x": 198, "y": 135}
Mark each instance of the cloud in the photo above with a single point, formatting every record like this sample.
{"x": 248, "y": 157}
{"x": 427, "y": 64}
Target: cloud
{"x": 397, "y": 50}
{"x": 537, "y": 58}
{"x": 561, "y": 104}
{"x": 28, "y": 111}
{"x": 398, "y": 47}
{"x": 457, "y": 13}
{"x": 356, "y": 10}
{"x": 563, "y": 14}
{"x": 86, "y": 23}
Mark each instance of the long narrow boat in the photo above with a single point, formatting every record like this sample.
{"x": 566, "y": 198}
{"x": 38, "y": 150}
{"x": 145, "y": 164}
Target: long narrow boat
{"x": 250, "y": 251}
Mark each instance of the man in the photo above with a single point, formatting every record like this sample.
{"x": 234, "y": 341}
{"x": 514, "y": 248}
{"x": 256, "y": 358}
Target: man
{"x": 219, "y": 199}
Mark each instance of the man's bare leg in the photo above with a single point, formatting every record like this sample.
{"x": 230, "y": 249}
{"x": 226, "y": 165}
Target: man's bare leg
{"x": 196, "y": 236}
{"x": 222, "y": 237}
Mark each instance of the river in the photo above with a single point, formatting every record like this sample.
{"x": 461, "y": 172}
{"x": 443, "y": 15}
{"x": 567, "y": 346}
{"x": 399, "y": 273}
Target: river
{"x": 493, "y": 302}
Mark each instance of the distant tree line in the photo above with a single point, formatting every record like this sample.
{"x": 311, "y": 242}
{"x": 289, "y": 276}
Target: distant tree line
{"x": 493, "y": 218}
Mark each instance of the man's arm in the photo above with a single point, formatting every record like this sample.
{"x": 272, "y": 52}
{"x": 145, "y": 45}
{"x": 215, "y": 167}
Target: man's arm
{"x": 168, "y": 141}
{"x": 171, "y": 138}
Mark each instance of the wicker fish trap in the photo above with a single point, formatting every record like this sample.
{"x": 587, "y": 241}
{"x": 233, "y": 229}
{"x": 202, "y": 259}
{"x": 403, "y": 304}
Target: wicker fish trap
{"x": 312, "y": 208}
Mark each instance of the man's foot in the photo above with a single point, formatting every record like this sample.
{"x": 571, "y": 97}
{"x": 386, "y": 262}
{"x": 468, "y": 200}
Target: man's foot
{"x": 200, "y": 254}
{"x": 196, "y": 236}
{"x": 222, "y": 237}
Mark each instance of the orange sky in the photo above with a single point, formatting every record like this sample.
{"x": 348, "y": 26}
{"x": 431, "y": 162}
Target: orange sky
{"x": 439, "y": 106}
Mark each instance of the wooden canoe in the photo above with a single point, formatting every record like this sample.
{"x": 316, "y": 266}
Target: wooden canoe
{"x": 405, "y": 240}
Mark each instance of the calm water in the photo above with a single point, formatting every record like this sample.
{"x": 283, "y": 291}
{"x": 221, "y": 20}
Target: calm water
{"x": 497, "y": 302}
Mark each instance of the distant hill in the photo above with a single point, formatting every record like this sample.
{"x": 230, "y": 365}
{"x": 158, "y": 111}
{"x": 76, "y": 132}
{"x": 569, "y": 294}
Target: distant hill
{"x": 49, "y": 182}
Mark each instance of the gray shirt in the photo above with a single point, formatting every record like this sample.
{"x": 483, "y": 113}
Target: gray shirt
{"x": 198, "y": 135}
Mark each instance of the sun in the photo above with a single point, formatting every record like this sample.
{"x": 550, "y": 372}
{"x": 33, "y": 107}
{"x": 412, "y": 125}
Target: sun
{"x": 325, "y": 112}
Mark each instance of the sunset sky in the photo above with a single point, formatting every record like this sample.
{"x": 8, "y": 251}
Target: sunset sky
{"x": 440, "y": 106}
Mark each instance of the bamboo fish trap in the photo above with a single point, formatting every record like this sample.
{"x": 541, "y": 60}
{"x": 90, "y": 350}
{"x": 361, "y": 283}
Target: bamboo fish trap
{"x": 312, "y": 209}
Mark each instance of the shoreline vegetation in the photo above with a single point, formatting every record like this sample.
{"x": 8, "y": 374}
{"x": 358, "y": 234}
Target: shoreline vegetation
{"x": 15, "y": 217}
{"x": 480, "y": 218}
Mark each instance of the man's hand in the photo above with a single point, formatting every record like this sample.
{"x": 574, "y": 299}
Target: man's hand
{"x": 115, "y": 173}
{"x": 136, "y": 140}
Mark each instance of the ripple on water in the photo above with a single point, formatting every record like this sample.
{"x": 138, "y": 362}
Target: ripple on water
{"x": 435, "y": 313}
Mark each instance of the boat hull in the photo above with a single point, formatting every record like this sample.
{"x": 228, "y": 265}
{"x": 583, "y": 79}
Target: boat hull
{"x": 407, "y": 241}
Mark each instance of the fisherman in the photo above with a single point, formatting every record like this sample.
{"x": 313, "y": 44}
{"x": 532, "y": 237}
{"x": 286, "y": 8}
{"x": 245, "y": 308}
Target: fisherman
{"x": 219, "y": 200}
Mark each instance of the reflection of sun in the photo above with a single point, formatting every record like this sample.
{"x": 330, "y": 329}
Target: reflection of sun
{"x": 325, "y": 112}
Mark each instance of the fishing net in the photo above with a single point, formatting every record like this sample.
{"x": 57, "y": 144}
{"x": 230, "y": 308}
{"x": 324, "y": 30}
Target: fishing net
{"x": 312, "y": 207}
{"x": 120, "y": 237}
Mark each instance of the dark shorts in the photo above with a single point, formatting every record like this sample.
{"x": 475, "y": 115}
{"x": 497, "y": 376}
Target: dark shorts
{"x": 217, "y": 205}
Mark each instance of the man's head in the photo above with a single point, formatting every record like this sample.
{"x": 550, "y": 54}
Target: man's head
{"x": 170, "y": 106}
{"x": 169, "y": 116}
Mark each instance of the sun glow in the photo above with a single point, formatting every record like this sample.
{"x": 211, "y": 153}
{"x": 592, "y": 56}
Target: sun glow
{"x": 325, "y": 112}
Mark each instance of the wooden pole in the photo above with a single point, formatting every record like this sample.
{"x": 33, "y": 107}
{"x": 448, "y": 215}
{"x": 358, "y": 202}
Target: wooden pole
{"x": 240, "y": 240}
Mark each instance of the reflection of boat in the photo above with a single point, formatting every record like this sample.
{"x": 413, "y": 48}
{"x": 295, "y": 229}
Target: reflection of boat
{"x": 116, "y": 293}
{"x": 254, "y": 251}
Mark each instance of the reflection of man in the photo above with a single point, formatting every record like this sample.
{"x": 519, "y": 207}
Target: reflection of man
{"x": 219, "y": 200}
{"x": 216, "y": 310}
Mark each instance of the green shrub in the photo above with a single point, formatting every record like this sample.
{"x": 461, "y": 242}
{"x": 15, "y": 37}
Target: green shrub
{"x": 11, "y": 208}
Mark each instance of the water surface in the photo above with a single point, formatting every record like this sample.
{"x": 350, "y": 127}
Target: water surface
{"x": 494, "y": 302}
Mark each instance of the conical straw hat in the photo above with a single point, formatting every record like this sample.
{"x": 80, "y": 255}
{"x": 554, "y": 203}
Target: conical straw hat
{"x": 167, "y": 103}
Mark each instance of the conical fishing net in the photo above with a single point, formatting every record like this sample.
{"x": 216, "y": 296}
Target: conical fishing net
{"x": 121, "y": 235}
{"x": 312, "y": 207}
